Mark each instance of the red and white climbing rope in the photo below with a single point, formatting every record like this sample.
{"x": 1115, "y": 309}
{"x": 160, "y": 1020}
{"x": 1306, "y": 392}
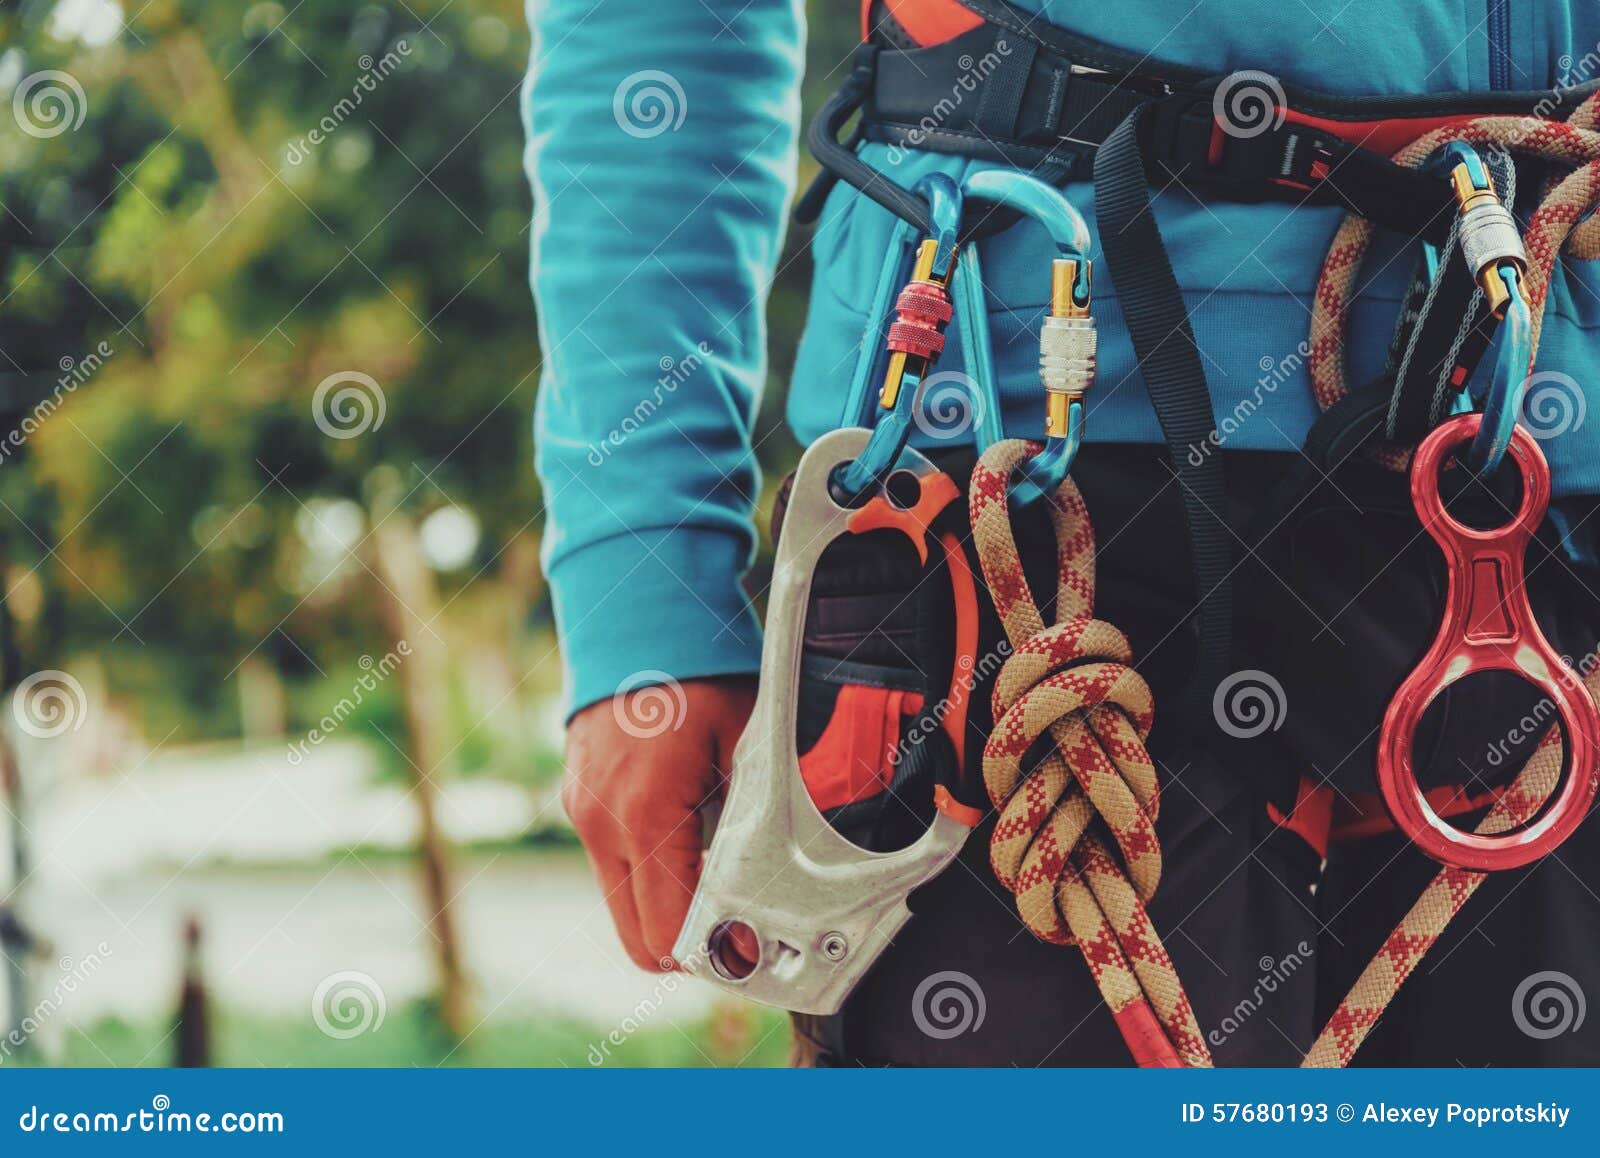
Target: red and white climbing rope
{"x": 1075, "y": 840}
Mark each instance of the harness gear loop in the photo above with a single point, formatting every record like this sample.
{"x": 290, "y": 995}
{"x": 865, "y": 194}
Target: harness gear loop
{"x": 1095, "y": 787}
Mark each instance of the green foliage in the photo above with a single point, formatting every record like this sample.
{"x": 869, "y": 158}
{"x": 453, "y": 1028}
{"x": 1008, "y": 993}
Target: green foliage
{"x": 230, "y": 266}
{"x": 410, "y": 1036}
{"x": 258, "y": 198}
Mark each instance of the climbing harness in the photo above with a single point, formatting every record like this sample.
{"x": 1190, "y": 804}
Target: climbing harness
{"x": 1066, "y": 766}
{"x": 1055, "y": 103}
{"x": 1487, "y": 626}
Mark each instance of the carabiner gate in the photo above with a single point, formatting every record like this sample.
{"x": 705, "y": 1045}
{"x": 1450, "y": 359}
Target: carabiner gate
{"x": 1067, "y": 339}
{"x": 913, "y": 340}
{"x": 923, "y": 307}
{"x": 1492, "y": 247}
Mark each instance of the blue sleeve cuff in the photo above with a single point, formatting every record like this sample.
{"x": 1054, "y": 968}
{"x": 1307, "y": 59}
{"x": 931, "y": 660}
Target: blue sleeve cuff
{"x": 641, "y": 608}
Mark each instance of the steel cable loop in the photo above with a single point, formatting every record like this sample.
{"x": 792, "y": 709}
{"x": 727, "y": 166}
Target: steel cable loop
{"x": 1072, "y": 680}
{"x": 1558, "y": 224}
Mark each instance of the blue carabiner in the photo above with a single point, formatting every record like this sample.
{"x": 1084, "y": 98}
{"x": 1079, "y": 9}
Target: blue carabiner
{"x": 1492, "y": 247}
{"x": 902, "y": 377}
{"x": 1502, "y": 403}
{"x": 1066, "y": 339}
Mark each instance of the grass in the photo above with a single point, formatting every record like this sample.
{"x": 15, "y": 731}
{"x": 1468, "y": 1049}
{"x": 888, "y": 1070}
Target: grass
{"x": 732, "y": 1035}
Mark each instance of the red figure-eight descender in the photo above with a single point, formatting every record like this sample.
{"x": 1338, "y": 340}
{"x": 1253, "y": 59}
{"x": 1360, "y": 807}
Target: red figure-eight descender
{"x": 1488, "y": 625}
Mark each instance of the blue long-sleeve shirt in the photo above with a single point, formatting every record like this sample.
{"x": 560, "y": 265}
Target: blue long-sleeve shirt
{"x": 661, "y": 147}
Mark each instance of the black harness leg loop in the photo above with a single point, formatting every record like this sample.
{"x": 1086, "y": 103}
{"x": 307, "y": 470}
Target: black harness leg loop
{"x": 1169, "y": 361}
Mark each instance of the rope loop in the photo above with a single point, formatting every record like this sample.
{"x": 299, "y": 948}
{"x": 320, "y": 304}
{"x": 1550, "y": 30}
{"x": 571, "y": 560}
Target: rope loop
{"x": 1070, "y": 685}
{"x": 1560, "y": 223}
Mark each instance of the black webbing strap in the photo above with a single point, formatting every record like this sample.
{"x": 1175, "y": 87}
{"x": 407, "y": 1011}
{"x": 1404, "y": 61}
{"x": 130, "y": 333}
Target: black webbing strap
{"x": 1169, "y": 361}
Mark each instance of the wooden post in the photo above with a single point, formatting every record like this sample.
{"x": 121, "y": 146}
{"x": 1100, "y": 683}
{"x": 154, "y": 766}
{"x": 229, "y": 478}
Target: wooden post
{"x": 408, "y": 599}
{"x": 192, "y": 1031}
